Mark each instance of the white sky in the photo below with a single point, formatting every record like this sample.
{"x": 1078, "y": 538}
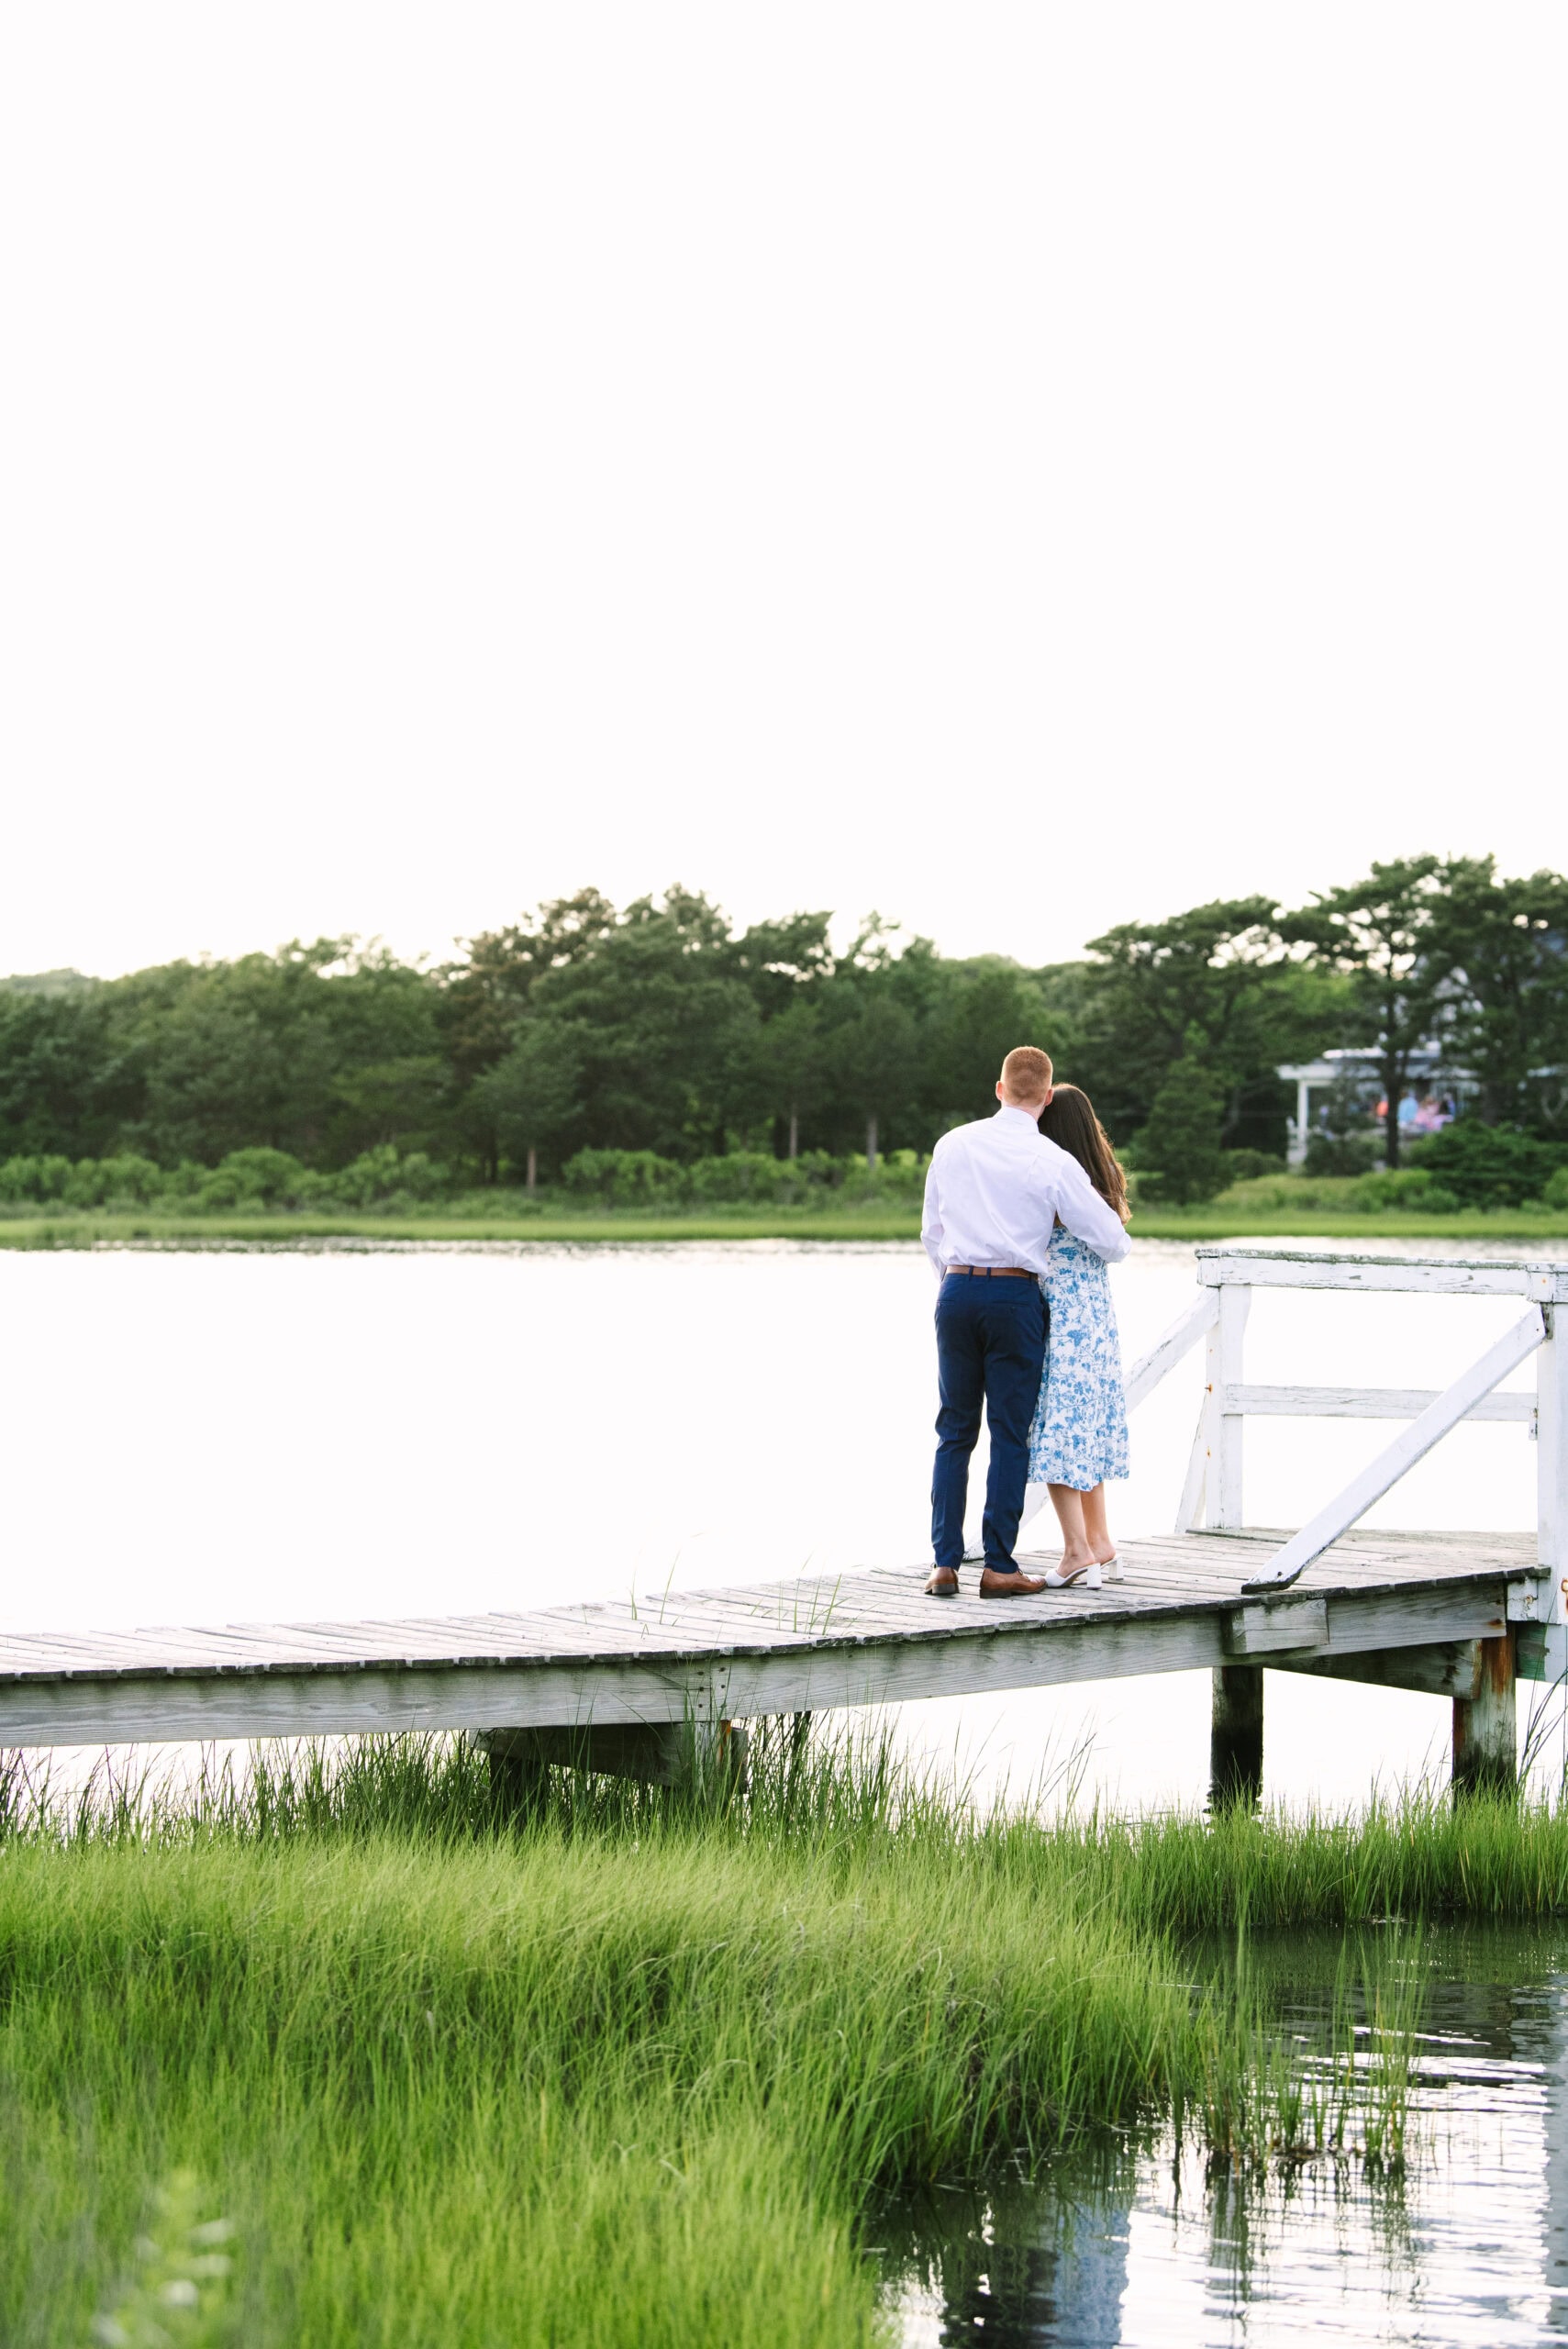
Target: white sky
{"x": 1020, "y": 467}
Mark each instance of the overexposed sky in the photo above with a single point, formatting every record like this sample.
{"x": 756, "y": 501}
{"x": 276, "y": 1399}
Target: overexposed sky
{"x": 1020, "y": 467}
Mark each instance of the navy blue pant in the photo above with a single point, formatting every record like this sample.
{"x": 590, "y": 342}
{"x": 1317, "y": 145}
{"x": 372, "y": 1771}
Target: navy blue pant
{"x": 990, "y": 1349}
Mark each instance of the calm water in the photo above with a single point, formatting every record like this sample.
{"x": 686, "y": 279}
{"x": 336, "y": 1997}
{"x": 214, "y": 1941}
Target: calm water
{"x": 1135, "y": 2243}
{"x": 229, "y": 1436}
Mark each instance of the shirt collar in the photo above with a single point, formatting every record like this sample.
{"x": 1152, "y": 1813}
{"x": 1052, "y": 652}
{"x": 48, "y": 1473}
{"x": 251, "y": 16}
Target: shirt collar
{"x": 1011, "y": 1109}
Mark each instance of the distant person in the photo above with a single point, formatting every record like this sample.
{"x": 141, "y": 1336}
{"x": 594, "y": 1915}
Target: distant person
{"x": 1079, "y": 1435}
{"x": 1428, "y": 1117}
{"x": 994, "y": 1191}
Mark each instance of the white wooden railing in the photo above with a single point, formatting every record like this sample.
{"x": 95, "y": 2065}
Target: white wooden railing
{"x": 1211, "y": 1496}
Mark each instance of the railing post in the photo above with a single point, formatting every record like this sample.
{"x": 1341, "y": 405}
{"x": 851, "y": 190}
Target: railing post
{"x": 1552, "y": 1459}
{"x": 1222, "y": 1482}
{"x": 1212, "y": 1492}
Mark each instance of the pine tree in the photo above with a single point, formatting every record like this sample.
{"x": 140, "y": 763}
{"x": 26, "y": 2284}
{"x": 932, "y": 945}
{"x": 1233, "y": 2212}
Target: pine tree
{"x": 1181, "y": 1144}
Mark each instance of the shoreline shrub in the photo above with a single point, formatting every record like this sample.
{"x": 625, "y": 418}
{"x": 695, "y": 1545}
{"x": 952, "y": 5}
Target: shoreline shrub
{"x": 254, "y": 1177}
{"x": 380, "y": 1177}
{"x": 36, "y": 1180}
{"x": 625, "y": 1178}
{"x": 97, "y": 1181}
{"x": 1489, "y": 1167}
{"x": 1343, "y": 1154}
{"x": 897, "y": 1175}
{"x": 1404, "y": 1187}
{"x": 741, "y": 1174}
{"x": 1250, "y": 1165}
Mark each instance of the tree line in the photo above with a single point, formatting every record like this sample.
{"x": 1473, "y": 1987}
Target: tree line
{"x": 659, "y": 1027}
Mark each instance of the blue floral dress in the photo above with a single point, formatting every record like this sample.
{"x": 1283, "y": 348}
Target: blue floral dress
{"x": 1079, "y": 1435}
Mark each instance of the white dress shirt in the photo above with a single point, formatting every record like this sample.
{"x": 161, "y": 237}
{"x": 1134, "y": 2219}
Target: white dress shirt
{"x": 996, "y": 1188}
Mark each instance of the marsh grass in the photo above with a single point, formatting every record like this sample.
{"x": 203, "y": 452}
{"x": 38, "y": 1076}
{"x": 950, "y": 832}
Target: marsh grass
{"x": 1279, "y": 2087}
{"x": 635, "y": 2071}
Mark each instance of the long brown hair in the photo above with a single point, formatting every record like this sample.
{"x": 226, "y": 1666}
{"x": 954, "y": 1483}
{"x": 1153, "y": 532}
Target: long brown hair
{"x": 1068, "y": 1119}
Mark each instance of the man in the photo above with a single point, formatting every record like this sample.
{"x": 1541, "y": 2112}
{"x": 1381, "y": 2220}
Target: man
{"x": 993, "y": 1194}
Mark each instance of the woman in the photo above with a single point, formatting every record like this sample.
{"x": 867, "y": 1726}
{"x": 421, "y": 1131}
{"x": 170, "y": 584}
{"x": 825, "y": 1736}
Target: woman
{"x": 1079, "y": 1435}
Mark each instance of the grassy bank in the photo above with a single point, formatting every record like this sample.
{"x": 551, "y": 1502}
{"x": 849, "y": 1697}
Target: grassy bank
{"x": 632, "y": 2074}
{"x": 1530, "y": 1228}
{"x": 83, "y": 1229}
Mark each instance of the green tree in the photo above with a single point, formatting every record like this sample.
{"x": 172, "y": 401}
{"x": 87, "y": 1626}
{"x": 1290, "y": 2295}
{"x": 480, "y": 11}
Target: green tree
{"x": 71, "y": 1077}
{"x": 1384, "y": 937}
{"x": 794, "y": 1066}
{"x": 1503, "y": 946}
{"x": 669, "y": 1032}
{"x": 324, "y": 1051}
{"x": 870, "y": 1059}
{"x": 871, "y": 1012}
{"x": 782, "y": 961}
{"x": 973, "y": 1015}
{"x": 534, "y": 1094}
{"x": 398, "y": 1101}
{"x": 482, "y": 996}
{"x": 1182, "y": 1141}
{"x": 1224, "y": 970}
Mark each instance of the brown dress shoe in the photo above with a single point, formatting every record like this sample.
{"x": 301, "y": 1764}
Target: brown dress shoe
{"x": 943, "y": 1583}
{"x": 1013, "y": 1585}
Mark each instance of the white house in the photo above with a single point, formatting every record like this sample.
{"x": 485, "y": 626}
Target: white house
{"x": 1428, "y": 1071}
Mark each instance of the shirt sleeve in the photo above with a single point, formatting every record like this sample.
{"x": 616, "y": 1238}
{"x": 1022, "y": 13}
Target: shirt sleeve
{"x": 1083, "y": 1211}
{"x": 931, "y": 1222}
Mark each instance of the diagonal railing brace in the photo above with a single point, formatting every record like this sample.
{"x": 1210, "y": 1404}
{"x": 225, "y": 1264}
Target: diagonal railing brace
{"x": 1418, "y": 1439}
{"x": 1167, "y": 1352}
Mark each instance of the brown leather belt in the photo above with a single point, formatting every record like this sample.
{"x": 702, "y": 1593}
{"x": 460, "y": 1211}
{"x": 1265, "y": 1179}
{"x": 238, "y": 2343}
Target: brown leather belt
{"x": 991, "y": 1272}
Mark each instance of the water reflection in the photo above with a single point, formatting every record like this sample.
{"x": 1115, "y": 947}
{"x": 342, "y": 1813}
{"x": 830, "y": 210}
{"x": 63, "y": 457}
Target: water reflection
{"x": 1143, "y": 2241}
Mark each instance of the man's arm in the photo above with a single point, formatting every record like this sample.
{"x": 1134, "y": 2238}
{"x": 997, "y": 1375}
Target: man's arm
{"x": 1082, "y": 1210}
{"x": 931, "y": 1222}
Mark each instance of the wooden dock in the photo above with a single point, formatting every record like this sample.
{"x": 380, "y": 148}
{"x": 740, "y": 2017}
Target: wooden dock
{"x": 1459, "y": 1615}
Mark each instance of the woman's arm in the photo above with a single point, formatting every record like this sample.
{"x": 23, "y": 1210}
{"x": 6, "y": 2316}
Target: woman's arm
{"x": 1083, "y": 1211}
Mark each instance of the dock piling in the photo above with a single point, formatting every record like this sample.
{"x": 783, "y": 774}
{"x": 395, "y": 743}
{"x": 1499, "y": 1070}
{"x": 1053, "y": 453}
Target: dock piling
{"x": 1236, "y": 1735}
{"x": 1485, "y": 1735}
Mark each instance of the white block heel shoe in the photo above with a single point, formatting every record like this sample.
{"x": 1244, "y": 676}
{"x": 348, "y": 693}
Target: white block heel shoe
{"x": 1088, "y": 1575}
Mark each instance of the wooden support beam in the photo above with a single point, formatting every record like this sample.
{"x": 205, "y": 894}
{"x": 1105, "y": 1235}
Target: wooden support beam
{"x": 708, "y": 1755}
{"x": 1236, "y": 1735}
{"x": 1445, "y": 1668}
{"x": 1486, "y": 1735}
{"x": 1268, "y": 1628}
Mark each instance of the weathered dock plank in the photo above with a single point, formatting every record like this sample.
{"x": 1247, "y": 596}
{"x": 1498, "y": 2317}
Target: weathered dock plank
{"x": 809, "y": 1643}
